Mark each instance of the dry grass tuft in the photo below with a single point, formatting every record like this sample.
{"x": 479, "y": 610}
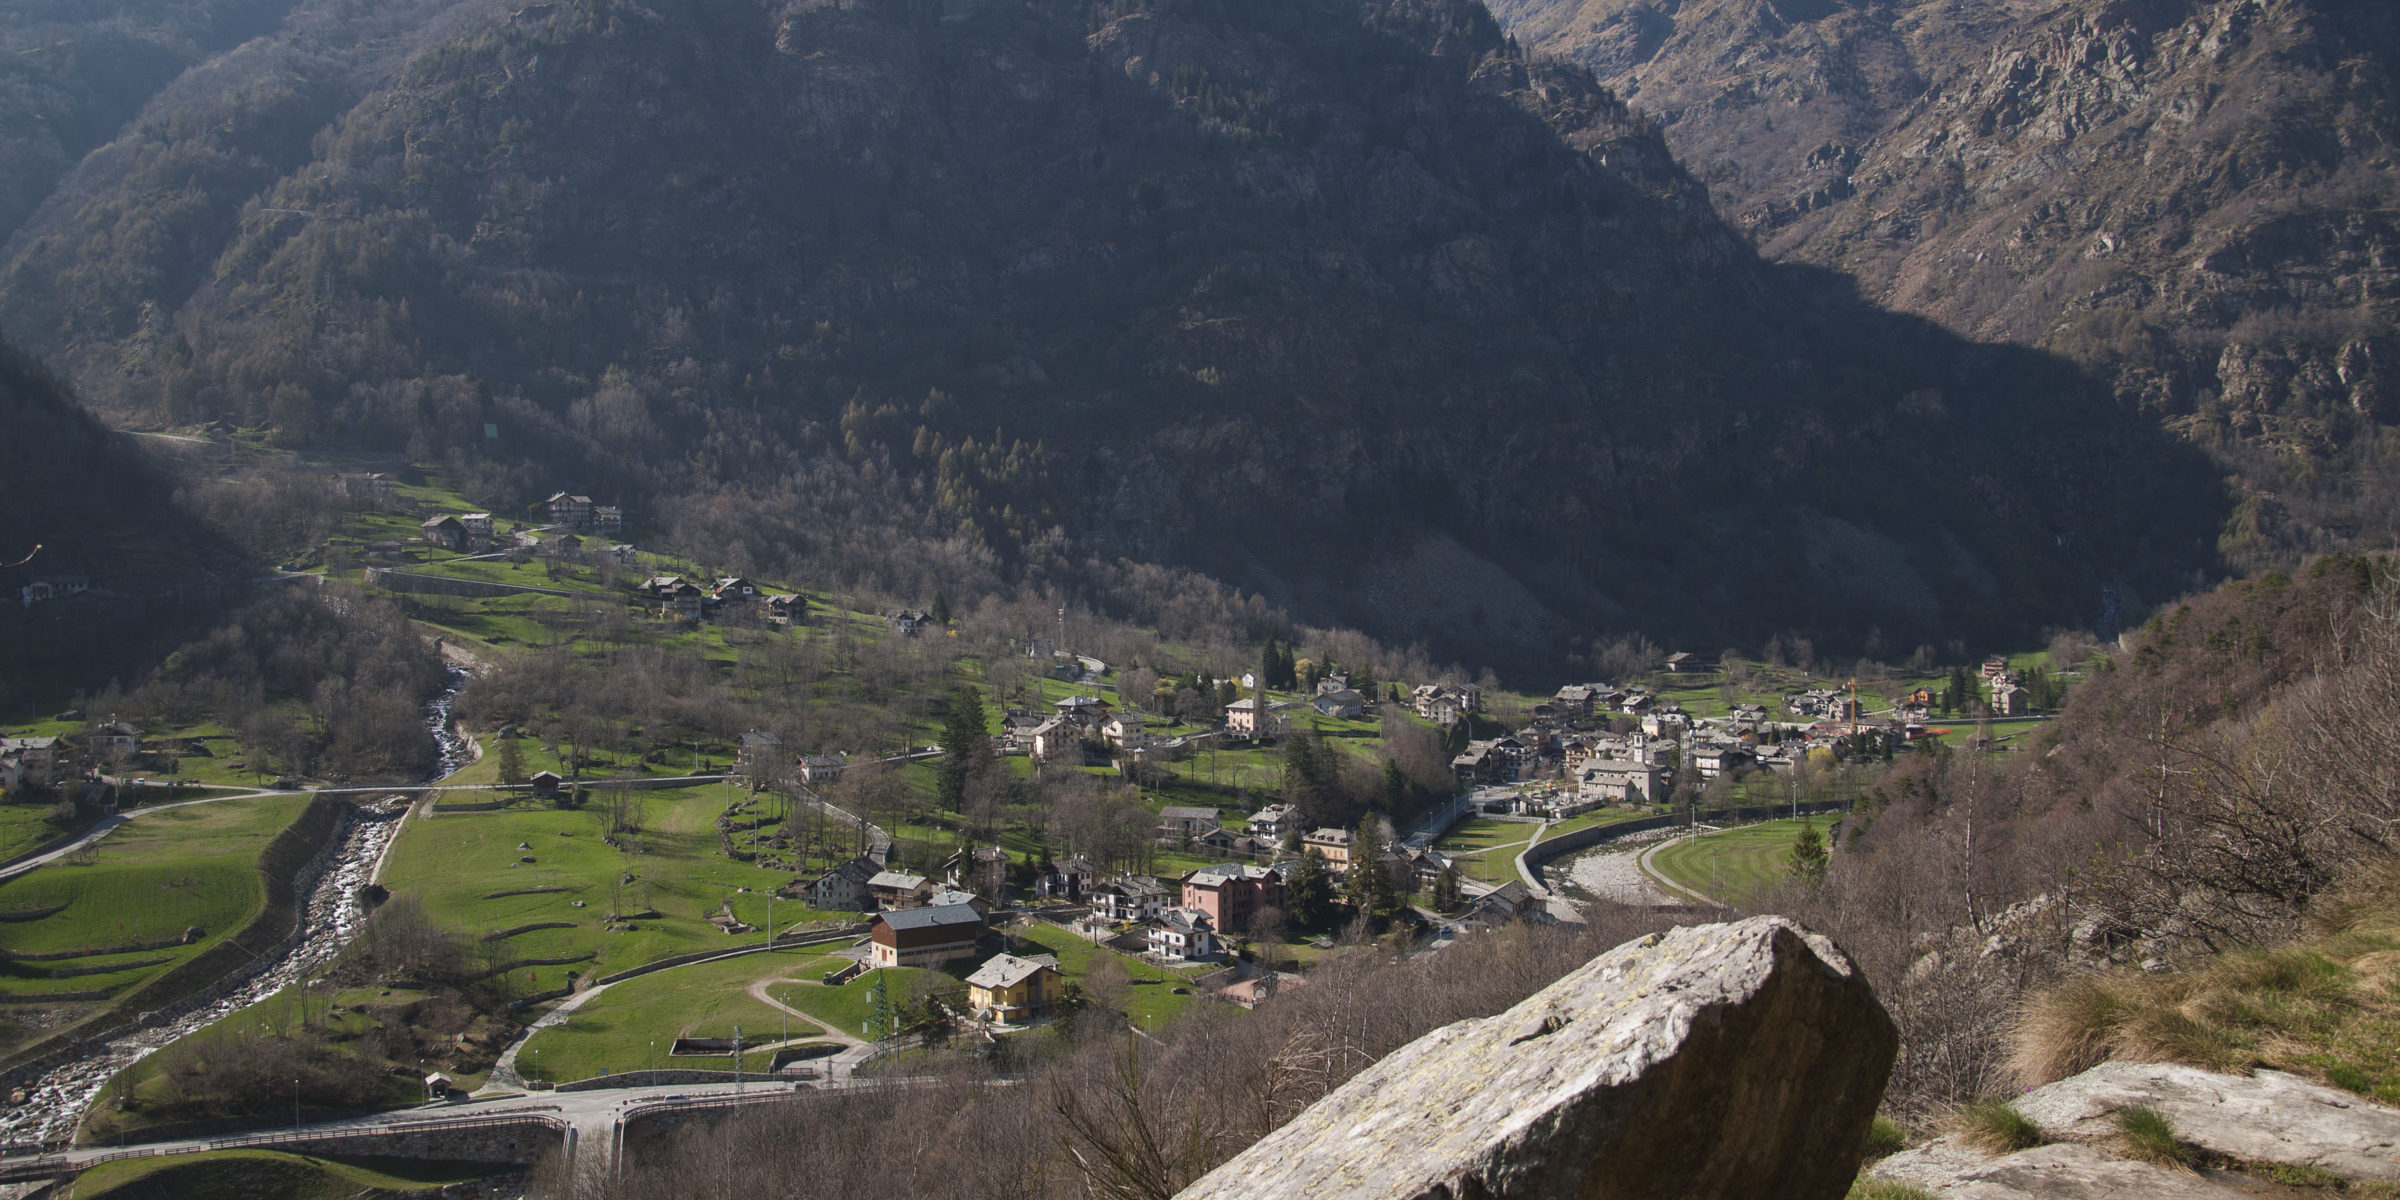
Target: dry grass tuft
{"x": 2145, "y": 1134}
{"x": 2327, "y": 1008}
{"x": 1884, "y": 1189}
{"x": 1996, "y": 1127}
{"x": 1885, "y": 1138}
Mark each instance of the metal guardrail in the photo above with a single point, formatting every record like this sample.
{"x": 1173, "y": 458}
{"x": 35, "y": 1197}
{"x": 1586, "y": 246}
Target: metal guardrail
{"x": 50, "y": 1165}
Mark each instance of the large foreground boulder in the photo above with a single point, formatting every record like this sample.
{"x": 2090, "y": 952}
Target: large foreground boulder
{"x": 1724, "y": 1061}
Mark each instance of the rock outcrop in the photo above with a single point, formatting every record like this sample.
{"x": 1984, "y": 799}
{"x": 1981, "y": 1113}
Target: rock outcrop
{"x": 1736, "y": 1060}
{"x": 2267, "y": 1119}
{"x": 2190, "y": 197}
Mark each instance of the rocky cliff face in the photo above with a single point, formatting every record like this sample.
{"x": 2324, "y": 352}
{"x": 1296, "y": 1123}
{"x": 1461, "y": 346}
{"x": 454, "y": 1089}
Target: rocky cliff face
{"x": 2193, "y": 197}
{"x": 1347, "y": 302}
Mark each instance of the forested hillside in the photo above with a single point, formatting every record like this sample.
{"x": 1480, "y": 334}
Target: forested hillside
{"x": 2193, "y": 198}
{"x": 1351, "y": 305}
{"x": 80, "y": 512}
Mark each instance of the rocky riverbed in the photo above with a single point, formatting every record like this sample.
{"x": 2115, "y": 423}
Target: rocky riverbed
{"x": 56, "y": 1098}
{"x": 1613, "y": 872}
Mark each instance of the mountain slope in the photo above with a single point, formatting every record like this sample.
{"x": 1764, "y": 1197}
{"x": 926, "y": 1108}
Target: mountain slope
{"x": 1346, "y": 302}
{"x": 2193, "y": 197}
{"x": 78, "y": 505}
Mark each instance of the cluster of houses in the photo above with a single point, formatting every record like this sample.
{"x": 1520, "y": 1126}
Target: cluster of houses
{"x": 1072, "y": 725}
{"x": 1581, "y": 738}
{"x": 473, "y": 533}
{"x": 1445, "y": 704}
{"x": 581, "y": 515}
{"x": 758, "y": 752}
{"x": 52, "y": 588}
{"x": 29, "y": 761}
{"x": 48, "y": 760}
{"x": 730, "y": 598}
{"x": 2010, "y": 696}
{"x": 917, "y": 921}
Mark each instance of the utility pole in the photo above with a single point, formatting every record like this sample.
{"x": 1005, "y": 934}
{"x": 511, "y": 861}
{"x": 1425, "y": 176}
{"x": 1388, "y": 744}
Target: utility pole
{"x": 737, "y": 1060}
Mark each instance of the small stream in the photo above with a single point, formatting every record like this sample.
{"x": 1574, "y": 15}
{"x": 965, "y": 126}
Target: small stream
{"x": 55, "y": 1099}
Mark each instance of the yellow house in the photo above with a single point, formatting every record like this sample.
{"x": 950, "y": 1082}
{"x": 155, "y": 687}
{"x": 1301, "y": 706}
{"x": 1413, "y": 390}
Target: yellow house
{"x": 1008, "y": 990}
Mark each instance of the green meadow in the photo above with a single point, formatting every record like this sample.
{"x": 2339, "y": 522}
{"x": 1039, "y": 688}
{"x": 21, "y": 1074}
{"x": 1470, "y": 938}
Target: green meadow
{"x": 151, "y": 880}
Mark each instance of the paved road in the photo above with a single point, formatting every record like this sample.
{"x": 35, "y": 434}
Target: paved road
{"x": 595, "y": 1117}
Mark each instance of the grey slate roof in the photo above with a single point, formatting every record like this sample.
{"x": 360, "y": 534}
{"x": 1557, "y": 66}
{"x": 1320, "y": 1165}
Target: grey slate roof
{"x": 931, "y": 917}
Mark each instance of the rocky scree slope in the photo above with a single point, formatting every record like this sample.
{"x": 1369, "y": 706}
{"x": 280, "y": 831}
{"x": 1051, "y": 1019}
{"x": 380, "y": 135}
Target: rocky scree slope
{"x": 1451, "y": 324}
{"x": 2194, "y": 197}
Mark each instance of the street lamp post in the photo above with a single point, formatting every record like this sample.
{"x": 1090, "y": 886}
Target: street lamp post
{"x": 295, "y": 1102}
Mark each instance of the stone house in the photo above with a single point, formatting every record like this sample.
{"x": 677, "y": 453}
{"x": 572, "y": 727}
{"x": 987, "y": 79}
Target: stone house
{"x": 1178, "y": 822}
{"x": 844, "y": 888}
{"x": 446, "y": 533}
{"x": 574, "y": 512}
{"x": 893, "y": 890}
{"x": 32, "y": 760}
{"x": 112, "y": 740}
{"x": 816, "y": 770}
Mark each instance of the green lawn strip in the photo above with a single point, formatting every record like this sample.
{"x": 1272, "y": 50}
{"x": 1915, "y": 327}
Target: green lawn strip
{"x": 455, "y": 862}
{"x": 268, "y": 1175}
{"x": 1150, "y": 1005}
{"x": 150, "y": 881}
{"x": 846, "y": 1008}
{"x": 1734, "y": 865}
{"x": 1487, "y": 850}
{"x": 632, "y": 1025}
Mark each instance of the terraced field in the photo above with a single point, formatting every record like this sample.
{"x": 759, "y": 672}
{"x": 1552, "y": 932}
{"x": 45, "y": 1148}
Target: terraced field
{"x": 517, "y": 875}
{"x": 102, "y": 921}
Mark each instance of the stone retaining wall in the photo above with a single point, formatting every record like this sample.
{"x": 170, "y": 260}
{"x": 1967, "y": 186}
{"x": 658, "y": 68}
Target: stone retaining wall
{"x": 515, "y": 1142}
{"x": 442, "y": 585}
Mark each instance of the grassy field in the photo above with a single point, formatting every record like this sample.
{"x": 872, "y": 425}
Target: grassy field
{"x": 1734, "y": 865}
{"x": 267, "y": 1175}
{"x": 1149, "y": 1005}
{"x": 1487, "y": 849}
{"x": 458, "y": 863}
{"x": 25, "y": 826}
{"x": 632, "y": 1025}
{"x": 150, "y": 881}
